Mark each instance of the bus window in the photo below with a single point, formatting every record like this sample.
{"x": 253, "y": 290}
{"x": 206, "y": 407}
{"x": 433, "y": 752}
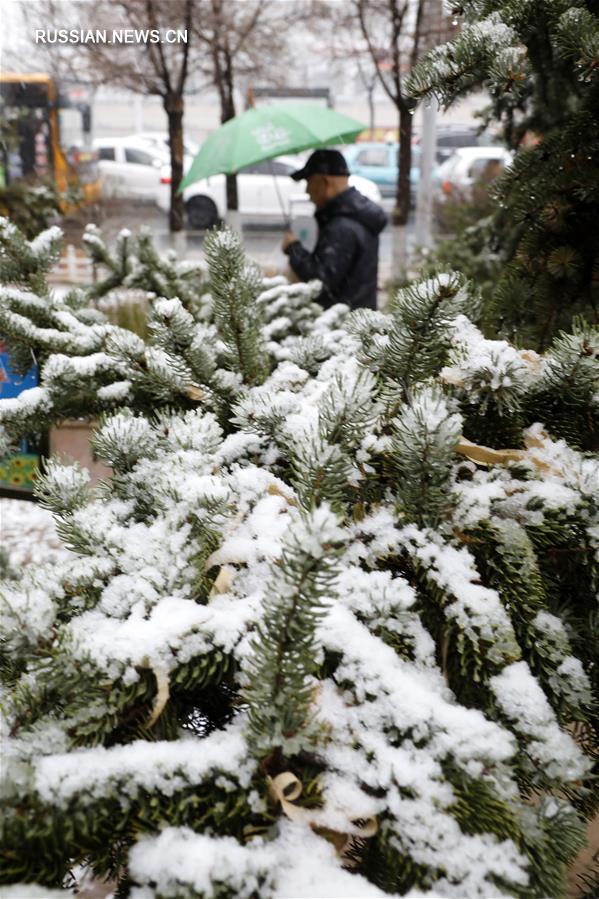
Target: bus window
{"x": 27, "y": 145}
{"x": 47, "y": 136}
{"x": 70, "y": 123}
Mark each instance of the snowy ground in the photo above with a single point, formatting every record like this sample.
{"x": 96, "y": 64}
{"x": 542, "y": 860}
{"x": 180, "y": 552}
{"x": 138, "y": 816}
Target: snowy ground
{"x": 28, "y": 534}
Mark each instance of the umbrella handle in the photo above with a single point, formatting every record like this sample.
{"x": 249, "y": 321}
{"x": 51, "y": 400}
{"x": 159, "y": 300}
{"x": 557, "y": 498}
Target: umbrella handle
{"x": 286, "y": 219}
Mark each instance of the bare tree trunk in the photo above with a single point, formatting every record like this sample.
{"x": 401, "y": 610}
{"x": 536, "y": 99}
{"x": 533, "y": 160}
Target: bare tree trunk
{"x": 424, "y": 203}
{"x": 401, "y": 60}
{"x": 173, "y": 105}
{"x": 370, "y": 95}
{"x": 399, "y": 253}
{"x": 402, "y": 197}
{"x": 401, "y": 211}
{"x": 228, "y": 112}
{"x": 232, "y": 195}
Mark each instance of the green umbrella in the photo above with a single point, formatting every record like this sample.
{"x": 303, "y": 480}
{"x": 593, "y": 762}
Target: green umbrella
{"x": 269, "y": 131}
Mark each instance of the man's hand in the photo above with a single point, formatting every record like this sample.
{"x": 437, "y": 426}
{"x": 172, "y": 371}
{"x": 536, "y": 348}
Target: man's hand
{"x": 288, "y": 237}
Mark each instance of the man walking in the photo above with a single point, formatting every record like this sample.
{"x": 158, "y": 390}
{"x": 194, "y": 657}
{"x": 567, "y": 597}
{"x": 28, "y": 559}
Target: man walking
{"x": 345, "y": 257}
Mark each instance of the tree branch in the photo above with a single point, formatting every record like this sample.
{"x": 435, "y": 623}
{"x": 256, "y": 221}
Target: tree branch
{"x": 251, "y": 25}
{"x": 163, "y": 68}
{"x": 359, "y": 5}
{"x": 185, "y": 61}
{"x": 417, "y": 34}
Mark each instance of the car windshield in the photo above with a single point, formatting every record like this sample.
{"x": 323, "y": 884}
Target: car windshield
{"x": 268, "y": 167}
{"x": 141, "y": 157}
{"x": 458, "y": 139}
{"x": 447, "y": 168}
{"x": 375, "y": 156}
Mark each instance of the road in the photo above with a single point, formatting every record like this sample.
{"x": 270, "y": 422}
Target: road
{"x": 262, "y": 243}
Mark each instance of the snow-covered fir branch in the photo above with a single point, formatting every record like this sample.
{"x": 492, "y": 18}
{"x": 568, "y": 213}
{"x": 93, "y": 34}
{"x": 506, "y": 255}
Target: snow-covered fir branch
{"x": 413, "y": 663}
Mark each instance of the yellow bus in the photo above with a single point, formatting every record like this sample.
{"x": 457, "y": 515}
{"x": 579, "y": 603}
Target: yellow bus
{"x": 45, "y": 133}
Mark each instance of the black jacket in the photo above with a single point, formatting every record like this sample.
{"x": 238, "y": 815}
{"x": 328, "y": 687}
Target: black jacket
{"x": 345, "y": 257}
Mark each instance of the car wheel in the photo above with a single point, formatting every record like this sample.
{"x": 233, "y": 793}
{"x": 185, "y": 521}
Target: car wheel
{"x": 201, "y": 213}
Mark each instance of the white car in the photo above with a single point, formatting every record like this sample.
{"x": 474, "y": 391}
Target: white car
{"x": 265, "y": 190}
{"x": 129, "y": 167}
{"x": 159, "y": 140}
{"x": 456, "y": 177}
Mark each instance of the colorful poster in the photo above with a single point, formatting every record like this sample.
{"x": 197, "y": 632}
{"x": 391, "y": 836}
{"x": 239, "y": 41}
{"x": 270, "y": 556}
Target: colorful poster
{"x": 18, "y": 471}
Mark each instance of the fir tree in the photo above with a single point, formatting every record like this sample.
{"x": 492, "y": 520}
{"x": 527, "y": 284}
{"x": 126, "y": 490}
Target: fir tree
{"x": 136, "y": 265}
{"x": 326, "y": 629}
{"x": 539, "y": 60}
{"x": 279, "y": 693}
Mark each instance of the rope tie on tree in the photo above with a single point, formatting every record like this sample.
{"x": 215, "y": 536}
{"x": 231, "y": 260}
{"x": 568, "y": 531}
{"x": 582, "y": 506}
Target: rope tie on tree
{"x": 222, "y": 581}
{"x": 485, "y": 455}
{"x": 194, "y": 393}
{"x": 162, "y": 690}
{"x": 286, "y": 789}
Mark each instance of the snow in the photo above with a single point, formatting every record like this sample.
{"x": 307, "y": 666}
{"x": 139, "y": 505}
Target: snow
{"x": 258, "y": 537}
{"x": 492, "y": 27}
{"x": 386, "y": 693}
{"x": 61, "y": 369}
{"x": 429, "y": 409}
{"x": 118, "y": 391}
{"x": 181, "y": 856}
{"x": 31, "y": 891}
{"x": 297, "y": 863}
{"x": 523, "y": 701}
{"x": 23, "y": 298}
{"x": 179, "y": 560}
{"x": 28, "y": 401}
{"x": 477, "y": 609}
{"x": 477, "y": 496}
{"x": 47, "y": 241}
{"x": 236, "y": 446}
{"x": 79, "y": 338}
{"x": 28, "y": 607}
{"x": 173, "y": 632}
{"x": 225, "y": 240}
{"x": 413, "y": 700}
{"x": 164, "y": 766}
{"x": 29, "y": 534}
{"x": 168, "y": 309}
{"x": 92, "y": 234}
{"x": 124, "y": 437}
{"x": 559, "y": 462}
{"x": 484, "y": 367}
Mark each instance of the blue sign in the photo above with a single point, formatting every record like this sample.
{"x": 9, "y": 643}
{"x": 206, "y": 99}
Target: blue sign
{"x": 18, "y": 471}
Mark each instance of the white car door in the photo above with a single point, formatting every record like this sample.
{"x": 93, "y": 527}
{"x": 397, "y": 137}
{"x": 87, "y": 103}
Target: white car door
{"x": 251, "y": 185}
{"x": 142, "y": 173}
{"x": 265, "y": 189}
{"x": 110, "y": 167}
{"x": 275, "y": 189}
{"x": 282, "y": 188}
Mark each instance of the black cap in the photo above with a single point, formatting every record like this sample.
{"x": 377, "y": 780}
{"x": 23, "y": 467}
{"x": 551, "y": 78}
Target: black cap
{"x": 323, "y": 162}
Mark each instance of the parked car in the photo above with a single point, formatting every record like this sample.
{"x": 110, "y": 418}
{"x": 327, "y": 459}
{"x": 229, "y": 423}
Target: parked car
{"x": 468, "y": 166}
{"x": 452, "y": 137}
{"x": 263, "y": 188}
{"x": 378, "y": 162}
{"x": 129, "y": 167}
{"x": 159, "y": 140}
